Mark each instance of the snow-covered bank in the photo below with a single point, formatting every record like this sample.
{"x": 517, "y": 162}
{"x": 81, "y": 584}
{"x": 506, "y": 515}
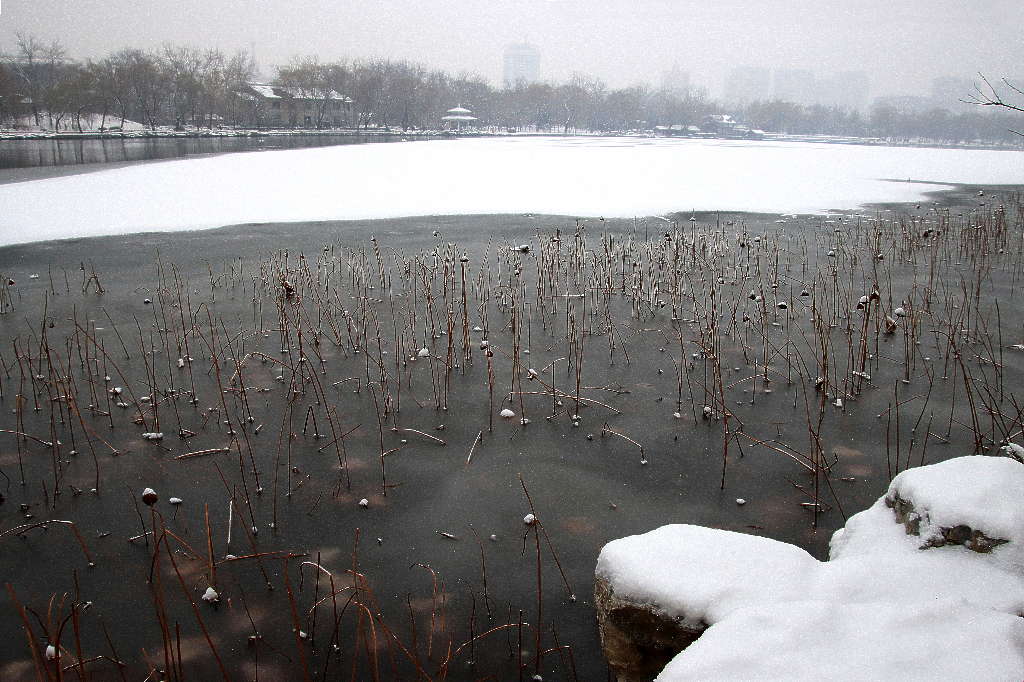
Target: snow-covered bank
{"x": 766, "y": 609}
{"x": 617, "y": 177}
{"x": 26, "y": 127}
{"x": 93, "y": 129}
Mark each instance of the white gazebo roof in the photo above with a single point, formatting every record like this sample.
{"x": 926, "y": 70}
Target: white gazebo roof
{"x": 458, "y": 117}
{"x": 459, "y": 110}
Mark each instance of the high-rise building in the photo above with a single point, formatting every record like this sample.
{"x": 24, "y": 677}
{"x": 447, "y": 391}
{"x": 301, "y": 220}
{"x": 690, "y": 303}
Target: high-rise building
{"x": 522, "y": 64}
{"x": 748, "y": 84}
{"x": 846, "y": 90}
{"x": 794, "y": 85}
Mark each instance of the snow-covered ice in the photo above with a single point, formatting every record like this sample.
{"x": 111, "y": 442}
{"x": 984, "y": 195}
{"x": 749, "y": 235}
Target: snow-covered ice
{"x": 876, "y": 610}
{"x": 590, "y": 176}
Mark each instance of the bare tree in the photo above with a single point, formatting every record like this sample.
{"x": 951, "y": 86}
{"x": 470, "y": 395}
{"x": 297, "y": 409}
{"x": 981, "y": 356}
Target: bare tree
{"x": 988, "y": 95}
{"x": 40, "y": 67}
{"x": 309, "y": 80}
{"x": 144, "y": 83}
{"x": 367, "y": 90}
{"x": 237, "y": 72}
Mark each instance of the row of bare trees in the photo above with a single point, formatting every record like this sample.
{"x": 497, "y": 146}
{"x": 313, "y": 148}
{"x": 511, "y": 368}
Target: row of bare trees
{"x": 408, "y": 95}
{"x": 175, "y": 85}
{"x": 183, "y": 87}
{"x": 936, "y": 124}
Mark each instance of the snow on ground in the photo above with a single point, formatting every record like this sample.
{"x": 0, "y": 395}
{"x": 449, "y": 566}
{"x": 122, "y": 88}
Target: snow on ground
{"x": 881, "y": 601}
{"x": 90, "y": 123}
{"x": 591, "y": 176}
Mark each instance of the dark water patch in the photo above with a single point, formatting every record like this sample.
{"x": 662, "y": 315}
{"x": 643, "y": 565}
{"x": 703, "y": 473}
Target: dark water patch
{"x": 588, "y": 485}
{"x": 22, "y": 160}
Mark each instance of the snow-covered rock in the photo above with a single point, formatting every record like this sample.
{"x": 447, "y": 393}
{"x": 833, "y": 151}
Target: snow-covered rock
{"x": 818, "y": 640}
{"x": 657, "y": 592}
{"x": 939, "y": 558}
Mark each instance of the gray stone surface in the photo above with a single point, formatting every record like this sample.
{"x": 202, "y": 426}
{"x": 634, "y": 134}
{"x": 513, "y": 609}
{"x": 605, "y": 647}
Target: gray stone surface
{"x": 637, "y": 639}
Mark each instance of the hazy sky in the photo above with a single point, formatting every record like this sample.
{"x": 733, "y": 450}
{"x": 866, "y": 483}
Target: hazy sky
{"x": 901, "y": 44}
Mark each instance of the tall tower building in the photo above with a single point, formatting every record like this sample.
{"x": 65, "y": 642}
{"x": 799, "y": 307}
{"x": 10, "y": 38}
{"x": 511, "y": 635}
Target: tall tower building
{"x": 522, "y": 64}
{"x": 676, "y": 81}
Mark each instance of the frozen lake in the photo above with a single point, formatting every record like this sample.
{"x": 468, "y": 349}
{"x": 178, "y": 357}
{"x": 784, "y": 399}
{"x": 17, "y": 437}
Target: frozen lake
{"x": 585, "y": 176}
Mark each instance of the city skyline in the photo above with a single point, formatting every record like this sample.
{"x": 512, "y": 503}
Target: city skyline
{"x": 901, "y": 48}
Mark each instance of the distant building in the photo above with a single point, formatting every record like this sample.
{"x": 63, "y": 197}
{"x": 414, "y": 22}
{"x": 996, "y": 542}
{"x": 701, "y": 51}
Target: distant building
{"x": 285, "y": 105}
{"x": 676, "y": 82}
{"x": 748, "y": 84}
{"x": 948, "y": 91}
{"x": 794, "y": 85}
{"x": 678, "y": 130}
{"x": 458, "y": 117}
{"x": 903, "y": 104}
{"x": 522, "y": 64}
{"x": 846, "y": 90}
{"x": 724, "y": 125}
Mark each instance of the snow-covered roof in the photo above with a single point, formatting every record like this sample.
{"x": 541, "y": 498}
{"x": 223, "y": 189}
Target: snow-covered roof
{"x": 458, "y": 117}
{"x": 264, "y": 90}
{"x": 295, "y": 92}
{"x": 459, "y": 110}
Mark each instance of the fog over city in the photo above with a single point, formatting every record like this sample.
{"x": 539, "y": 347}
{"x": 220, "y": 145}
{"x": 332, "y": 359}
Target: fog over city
{"x": 900, "y": 47}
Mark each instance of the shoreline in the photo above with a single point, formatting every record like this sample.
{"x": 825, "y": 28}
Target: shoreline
{"x": 15, "y": 135}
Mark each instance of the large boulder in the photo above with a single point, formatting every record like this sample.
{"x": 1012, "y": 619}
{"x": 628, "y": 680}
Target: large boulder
{"x": 657, "y": 592}
{"x": 638, "y": 639}
{"x": 940, "y": 557}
